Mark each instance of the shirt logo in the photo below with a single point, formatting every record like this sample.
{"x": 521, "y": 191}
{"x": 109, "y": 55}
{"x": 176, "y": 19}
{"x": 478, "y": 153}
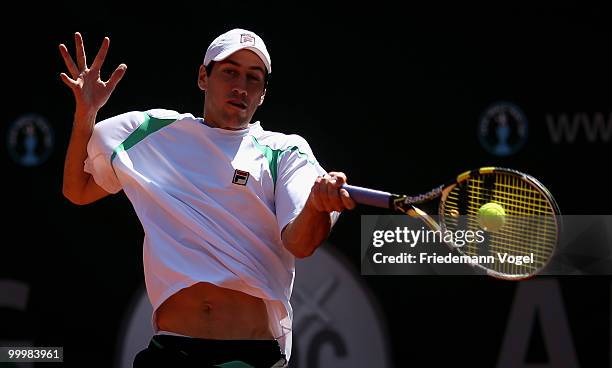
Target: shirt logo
{"x": 240, "y": 177}
{"x": 247, "y": 38}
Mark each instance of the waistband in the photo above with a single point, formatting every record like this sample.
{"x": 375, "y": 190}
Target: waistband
{"x": 258, "y": 353}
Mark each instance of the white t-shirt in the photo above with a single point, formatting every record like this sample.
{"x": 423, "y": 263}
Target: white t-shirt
{"x": 212, "y": 202}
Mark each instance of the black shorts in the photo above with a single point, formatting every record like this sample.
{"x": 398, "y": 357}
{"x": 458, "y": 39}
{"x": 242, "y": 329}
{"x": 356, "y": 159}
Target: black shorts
{"x": 179, "y": 351}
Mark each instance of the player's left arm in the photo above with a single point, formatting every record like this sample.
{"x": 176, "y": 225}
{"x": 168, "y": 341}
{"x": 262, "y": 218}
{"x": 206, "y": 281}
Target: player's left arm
{"x": 310, "y": 228}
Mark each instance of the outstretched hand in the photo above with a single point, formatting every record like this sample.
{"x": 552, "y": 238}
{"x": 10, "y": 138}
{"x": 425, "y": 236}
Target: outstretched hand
{"x": 90, "y": 92}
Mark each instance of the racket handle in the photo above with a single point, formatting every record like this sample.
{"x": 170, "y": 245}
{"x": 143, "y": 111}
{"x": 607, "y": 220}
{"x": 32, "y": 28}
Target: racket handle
{"x": 369, "y": 197}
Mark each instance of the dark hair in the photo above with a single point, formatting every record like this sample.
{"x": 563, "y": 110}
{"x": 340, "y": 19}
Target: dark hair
{"x": 210, "y": 65}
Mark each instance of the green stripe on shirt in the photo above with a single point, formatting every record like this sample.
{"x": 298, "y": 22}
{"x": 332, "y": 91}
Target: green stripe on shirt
{"x": 149, "y": 126}
{"x": 274, "y": 155}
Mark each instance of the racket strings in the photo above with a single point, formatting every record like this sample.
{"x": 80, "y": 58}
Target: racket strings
{"x": 535, "y": 227}
{"x": 530, "y": 227}
{"x": 509, "y": 190}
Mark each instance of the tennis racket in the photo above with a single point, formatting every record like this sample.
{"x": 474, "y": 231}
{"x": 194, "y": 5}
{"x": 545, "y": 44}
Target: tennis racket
{"x": 531, "y": 223}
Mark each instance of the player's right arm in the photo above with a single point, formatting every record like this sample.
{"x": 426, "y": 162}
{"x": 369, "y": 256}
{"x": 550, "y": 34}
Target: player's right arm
{"x": 90, "y": 94}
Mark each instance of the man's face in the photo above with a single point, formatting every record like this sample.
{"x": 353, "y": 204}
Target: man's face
{"x": 234, "y": 89}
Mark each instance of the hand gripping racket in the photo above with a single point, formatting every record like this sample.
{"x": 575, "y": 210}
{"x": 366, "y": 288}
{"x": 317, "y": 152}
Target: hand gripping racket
{"x": 530, "y": 222}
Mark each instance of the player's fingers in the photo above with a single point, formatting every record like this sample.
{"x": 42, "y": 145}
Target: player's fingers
{"x": 68, "y": 81}
{"x": 80, "y": 51}
{"x": 315, "y": 197}
{"x": 323, "y": 194}
{"x": 347, "y": 201}
{"x": 72, "y": 68}
{"x": 116, "y": 77}
{"x": 339, "y": 176}
{"x": 99, "y": 60}
{"x": 333, "y": 194}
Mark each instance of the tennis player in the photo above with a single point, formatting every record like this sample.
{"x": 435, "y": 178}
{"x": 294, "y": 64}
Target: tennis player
{"x": 226, "y": 206}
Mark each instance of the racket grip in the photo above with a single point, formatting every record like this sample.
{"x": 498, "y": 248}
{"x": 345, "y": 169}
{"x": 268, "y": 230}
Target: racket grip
{"x": 369, "y": 197}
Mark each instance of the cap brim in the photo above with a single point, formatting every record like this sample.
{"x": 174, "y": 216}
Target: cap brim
{"x": 261, "y": 55}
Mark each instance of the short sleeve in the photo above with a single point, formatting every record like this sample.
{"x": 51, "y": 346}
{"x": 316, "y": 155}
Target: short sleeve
{"x": 106, "y": 137}
{"x": 297, "y": 172}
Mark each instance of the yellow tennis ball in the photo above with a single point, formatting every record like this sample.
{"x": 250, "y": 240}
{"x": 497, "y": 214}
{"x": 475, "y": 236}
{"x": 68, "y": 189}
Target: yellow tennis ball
{"x": 491, "y": 217}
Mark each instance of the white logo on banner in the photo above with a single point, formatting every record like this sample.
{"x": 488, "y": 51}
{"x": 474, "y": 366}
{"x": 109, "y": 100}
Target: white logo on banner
{"x": 30, "y": 140}
{"x": 503, "y": 129}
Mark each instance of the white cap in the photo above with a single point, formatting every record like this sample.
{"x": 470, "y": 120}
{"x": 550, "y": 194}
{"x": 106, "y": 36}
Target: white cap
{"x": 234, "y": 40}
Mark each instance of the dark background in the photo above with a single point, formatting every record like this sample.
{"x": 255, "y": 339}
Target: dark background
{"x": 390, "y": 94}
